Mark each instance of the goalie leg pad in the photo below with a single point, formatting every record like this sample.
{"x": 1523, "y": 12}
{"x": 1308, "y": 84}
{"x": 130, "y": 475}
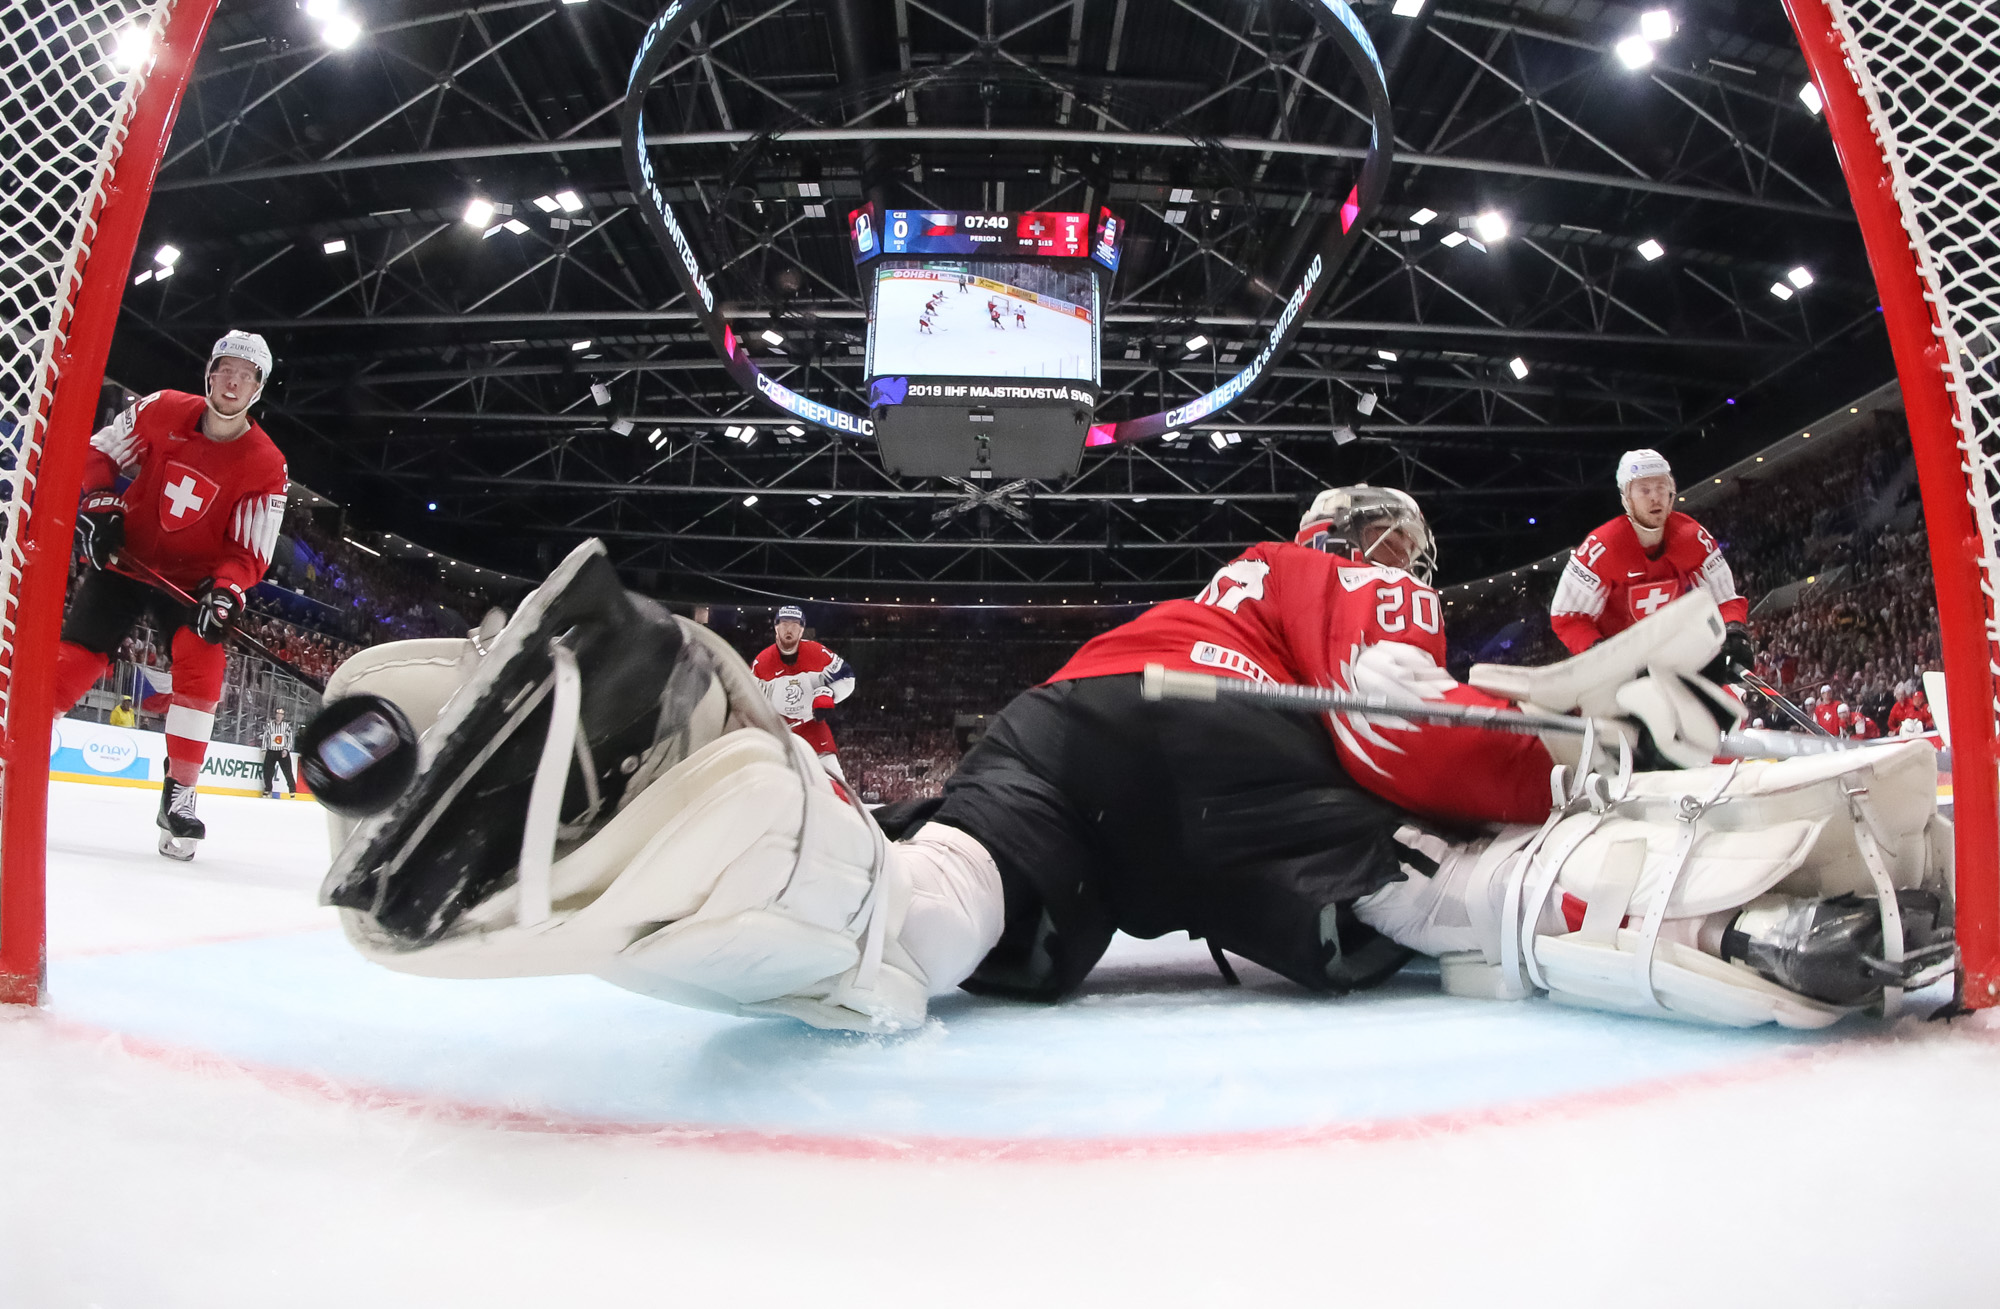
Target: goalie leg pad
{"x": 1654, "y": 866}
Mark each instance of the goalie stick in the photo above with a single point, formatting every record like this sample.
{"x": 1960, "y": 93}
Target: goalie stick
{"x": 1159, "y": 682}
{"x": 1776, "y": 697}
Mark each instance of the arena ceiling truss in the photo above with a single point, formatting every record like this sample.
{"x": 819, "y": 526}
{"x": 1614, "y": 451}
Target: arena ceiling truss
{"x": 538, "y": 376}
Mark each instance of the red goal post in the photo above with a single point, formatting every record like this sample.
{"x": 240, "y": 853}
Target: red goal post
{"x": 1911, "y": 93}
{"x": 88, "y": 94}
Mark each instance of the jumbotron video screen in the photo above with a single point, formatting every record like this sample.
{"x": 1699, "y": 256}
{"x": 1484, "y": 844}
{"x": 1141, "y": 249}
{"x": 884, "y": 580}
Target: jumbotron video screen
{"x": 984, "y": 319}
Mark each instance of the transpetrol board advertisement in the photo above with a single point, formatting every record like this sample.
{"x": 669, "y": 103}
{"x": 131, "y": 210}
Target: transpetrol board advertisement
{"x": 1108, "y": 240}
{"x": 972, "y": 318}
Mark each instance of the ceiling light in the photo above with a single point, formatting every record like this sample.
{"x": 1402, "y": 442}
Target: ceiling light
{"x": 1423, "y": 216}
{"x": 340, "y": 32}
{"x": 1810, "y": 97}
{"x": 478, "y": 213}
{"x": 579, "y": 345}
{"x": 1656, "y": 25}
{"x": 1450, "y": 239}
{"x": 1218, "y": 440}
{"x": 569, "y": 201}
{"x": 1634, "y": 52}
{"x": 1407, "y": 8}
{"x": 1490, "y": 226}
{"x": 1518, "y": 366}
{"x": 546, "y": 203}
{"x": 749, "y": 500}
{"x": 1387, "y": 355}
{"x": 1366, "y": 404}
{"x": 143, "y": 278}
{"x": 1197, "y": 342}
{"x": 166, "y": 256}
{"x": 1651, "y": 249}
{"x": 1800, "y": 277}
{"x": 337, "y": 246}
{"x": 133, "y": 45}
{"x": 516, "y": 226}
{"x": 772, "y": 338}
{"x": 1780, "y": 290}
{"x": 163, "y": 274}
{"x": 796, "y": 430}
{"x": 814, "y": 500}
{"x": 600, "y": 393}
{"x": 622, "y": 426}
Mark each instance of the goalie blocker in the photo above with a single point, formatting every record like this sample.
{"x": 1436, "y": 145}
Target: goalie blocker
{"x": 695, "y": 853}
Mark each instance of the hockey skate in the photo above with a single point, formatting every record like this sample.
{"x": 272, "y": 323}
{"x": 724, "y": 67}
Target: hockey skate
{"x": 179, "y": 828}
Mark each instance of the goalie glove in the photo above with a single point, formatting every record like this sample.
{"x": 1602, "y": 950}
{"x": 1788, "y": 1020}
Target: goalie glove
{"x": 100, "y": 527}
{"x": 1738, "y": 651}
{"x": 217, "y": 606}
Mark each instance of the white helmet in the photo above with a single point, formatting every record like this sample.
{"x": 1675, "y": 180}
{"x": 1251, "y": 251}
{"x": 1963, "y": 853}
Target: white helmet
{"x": 1335, "y": 521}
{"x": 1635, "y": 464}
{"x": 249, "y": 347}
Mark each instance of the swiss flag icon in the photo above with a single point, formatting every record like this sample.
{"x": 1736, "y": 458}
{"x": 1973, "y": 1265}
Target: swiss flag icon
{"x": 1649, "y": 599}
{"x": 185, "y": 495}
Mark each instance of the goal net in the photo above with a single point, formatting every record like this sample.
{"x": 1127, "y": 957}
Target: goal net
{"x": 1911, "y": 93}
{"x": 88, "y": 91}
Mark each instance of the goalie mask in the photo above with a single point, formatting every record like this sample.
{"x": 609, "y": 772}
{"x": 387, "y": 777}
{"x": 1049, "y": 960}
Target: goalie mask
{"x": 1362, "y": 521}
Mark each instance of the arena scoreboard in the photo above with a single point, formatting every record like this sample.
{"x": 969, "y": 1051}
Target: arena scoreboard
{"x": 984, "y": 335}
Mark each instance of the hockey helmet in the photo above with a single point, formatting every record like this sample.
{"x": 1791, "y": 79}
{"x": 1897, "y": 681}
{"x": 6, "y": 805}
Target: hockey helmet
{"x": 249, "y": 347}
{"x": 1635, "y": 464}
{"x": 1340, "y": 515}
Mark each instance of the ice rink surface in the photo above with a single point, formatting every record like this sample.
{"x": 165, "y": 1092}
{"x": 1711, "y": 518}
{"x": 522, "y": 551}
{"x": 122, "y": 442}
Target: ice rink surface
{"x": 963, "y": 341}
{"x": 222, "y": 1105}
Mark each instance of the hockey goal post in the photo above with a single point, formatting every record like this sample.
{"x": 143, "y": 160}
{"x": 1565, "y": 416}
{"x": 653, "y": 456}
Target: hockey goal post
{"x": 88, "y": 94}
{"x": 1911, "y": 93}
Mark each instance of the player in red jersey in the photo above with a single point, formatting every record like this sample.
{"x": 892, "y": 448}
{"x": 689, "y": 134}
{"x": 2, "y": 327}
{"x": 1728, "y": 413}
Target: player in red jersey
{"x": 804, "y": 680}
{"x": 202, "y": 500}
{"x": 1635, "y": 564}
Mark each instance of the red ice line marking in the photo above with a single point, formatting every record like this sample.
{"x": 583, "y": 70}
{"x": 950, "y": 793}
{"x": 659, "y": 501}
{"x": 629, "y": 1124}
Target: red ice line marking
{"x": 946, "y": 1148}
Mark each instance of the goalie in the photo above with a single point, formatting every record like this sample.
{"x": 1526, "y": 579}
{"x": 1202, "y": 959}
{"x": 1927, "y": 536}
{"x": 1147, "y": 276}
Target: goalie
{"x": 697, "y": 854}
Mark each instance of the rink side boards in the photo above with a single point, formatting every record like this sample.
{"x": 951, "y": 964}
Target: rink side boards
{"x": 103, "y": 755}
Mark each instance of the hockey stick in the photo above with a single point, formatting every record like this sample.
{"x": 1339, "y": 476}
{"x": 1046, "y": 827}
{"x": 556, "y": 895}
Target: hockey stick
{"x": 146, "y": 574}
{"x": 1159, "y": 682}
{"x": 1771, "y": 693}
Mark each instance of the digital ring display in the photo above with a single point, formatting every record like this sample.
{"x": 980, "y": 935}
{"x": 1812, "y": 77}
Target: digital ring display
{"x": 1047, "y": 343}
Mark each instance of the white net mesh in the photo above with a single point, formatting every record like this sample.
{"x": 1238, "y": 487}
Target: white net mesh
{"x": 1930, "y": 74}
{"x": 66, "y": 79}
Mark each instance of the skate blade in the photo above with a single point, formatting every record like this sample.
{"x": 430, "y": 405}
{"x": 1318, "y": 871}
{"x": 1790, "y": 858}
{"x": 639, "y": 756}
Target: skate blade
{"x": 177, "y": 847}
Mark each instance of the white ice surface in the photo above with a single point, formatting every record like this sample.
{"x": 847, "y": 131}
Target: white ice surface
{"x": 963, "y": 341}
{"x": 222, "y": 1106}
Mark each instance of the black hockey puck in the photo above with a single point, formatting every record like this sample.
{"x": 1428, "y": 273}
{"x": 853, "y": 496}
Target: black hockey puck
{"x": 358, "y": 754}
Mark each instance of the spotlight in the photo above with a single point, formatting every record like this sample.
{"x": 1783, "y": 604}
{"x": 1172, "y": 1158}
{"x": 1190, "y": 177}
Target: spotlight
{"x": 600, "y": 393}
{"x": 1450, "y": 239}
{"x": 478, "y": 213}
{"x": 1635, "y": 52}
{"x": 1810, "y": 97}
{"x": 1490, "y": 227}
{"x": 1197, "y": 342}
{"x": 1656, "y": 25}
{"x": 134, "y": 44}
{"x": 546, "y": 203}
{"x": 516, "y": 226}
{"x": 1780, "y": 290}
{"x": 749, "y": 500}
{"x": 1366, "y": 404}
{"x": 340, "y": 32}
{"x": 1407, "y": 8}
{"x": 579, "y": 345}
{"x": 1800, "y": 277}
{"x": 337, "y": 246}
{"x": 569, "y": 201}
{"x": 1423, "y": 216}
{"x": 1518, "y": 367}
{"x": 772, "y": 338}
{"x": 1651, "y": 249}
{"x": 1386, "y": 356}
{"x": 167, "y": 256}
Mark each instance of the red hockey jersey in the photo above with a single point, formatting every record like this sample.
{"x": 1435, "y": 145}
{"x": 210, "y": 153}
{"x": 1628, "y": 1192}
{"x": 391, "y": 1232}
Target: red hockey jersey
{"x": 813, "y": 678}
{"x": 1612, "y": 581}
{"x": 1285, "y": 613}
{"x": 195, "y": 508}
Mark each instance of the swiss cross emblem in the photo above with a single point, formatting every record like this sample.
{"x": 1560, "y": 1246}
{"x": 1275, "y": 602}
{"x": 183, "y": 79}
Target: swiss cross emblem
{"x": 185, "y": 496}
{"x": 1647, "y": 600}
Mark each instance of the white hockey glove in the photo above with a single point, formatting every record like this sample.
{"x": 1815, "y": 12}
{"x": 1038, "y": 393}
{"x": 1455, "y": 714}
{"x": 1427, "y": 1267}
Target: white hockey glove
{"x": 1647, "y": 680}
